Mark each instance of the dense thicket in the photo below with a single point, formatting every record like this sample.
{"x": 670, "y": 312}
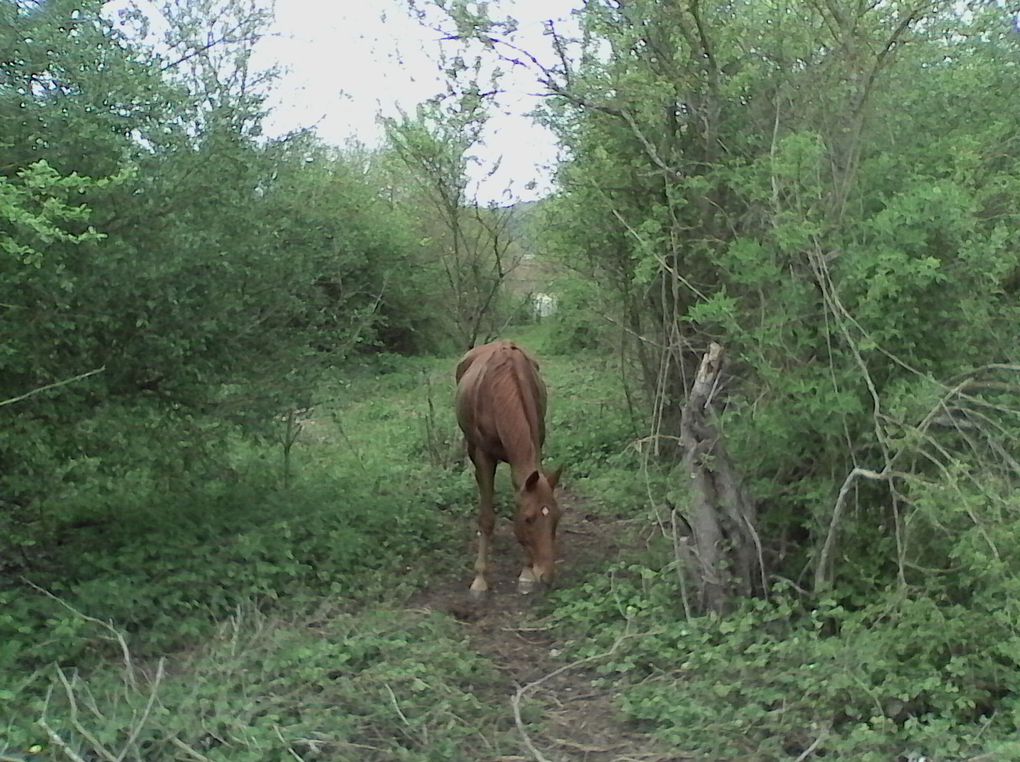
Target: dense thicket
{"x": 828, "y": 191}
{"x": 151, "y": 234}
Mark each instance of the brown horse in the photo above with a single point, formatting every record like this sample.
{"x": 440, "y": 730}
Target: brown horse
{"x": 501, "y": 410}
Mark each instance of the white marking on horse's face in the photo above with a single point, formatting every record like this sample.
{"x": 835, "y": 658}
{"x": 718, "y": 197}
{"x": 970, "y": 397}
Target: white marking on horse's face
{"x": 545, "y": 510}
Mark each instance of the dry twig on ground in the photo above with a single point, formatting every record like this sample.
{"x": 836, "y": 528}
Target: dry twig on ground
{"x": 523, "y": 690}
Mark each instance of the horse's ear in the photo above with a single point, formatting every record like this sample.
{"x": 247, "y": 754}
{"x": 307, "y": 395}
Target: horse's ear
{"x": 554, "y": 477}
{"x": 531, "y": 481}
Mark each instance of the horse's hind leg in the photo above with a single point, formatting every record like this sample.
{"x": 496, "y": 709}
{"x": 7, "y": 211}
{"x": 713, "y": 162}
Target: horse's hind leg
{"x": 485, "y": 473}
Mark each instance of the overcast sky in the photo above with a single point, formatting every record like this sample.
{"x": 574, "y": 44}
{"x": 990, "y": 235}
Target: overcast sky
{"x": 347, "y": 60}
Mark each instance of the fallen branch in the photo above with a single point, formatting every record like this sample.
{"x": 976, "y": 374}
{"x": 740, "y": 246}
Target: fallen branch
{"x": 54, "y": 385}
{"x": 105, "y": 625}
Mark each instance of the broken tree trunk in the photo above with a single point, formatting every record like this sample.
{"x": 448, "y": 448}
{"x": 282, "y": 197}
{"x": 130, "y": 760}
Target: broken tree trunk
{"x": 722, "y": 556}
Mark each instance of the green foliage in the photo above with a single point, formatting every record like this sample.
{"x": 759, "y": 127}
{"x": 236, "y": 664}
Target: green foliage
{"x": 148, "y": 229}
{"x": 577, "y": 323}
{"x": 36, "y": 212}
{"x": 257, "y": 544}
{"x": 380, "y": 685}
{"x": 862, "y": 272}
{"x": 233, "y": 559}
{"x": 901, "y": 675}
{"x": 845, "y": 265}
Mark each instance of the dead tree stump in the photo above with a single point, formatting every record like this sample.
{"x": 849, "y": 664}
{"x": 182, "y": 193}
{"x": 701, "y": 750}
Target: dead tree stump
{"x": 722, "y": 555}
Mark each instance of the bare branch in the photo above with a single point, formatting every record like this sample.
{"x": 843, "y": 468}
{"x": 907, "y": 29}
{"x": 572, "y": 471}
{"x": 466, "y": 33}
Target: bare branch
{"x": 227, "y": 37}
{"x": 823, "y": 576}
{"x": 55, "y": 385}
{"x": 129, "y": 668}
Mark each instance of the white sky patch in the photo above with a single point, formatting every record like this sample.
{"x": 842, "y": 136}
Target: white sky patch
{"x": 347, "y": 61}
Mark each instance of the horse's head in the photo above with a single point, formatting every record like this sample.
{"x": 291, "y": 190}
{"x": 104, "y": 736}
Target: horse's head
{"x": 538, "y": 515}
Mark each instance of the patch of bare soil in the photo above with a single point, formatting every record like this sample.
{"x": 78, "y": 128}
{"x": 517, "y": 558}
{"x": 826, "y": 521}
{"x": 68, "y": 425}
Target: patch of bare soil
{"x": 579, "y": 720}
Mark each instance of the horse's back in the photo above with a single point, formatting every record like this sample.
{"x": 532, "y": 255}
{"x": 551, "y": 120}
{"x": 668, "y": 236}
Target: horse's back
{"x": 498, "y": 388}
{"x": 485, "y": 352}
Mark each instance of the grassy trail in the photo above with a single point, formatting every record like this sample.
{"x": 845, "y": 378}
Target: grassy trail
{"x": 574, "y": 716}
{"x": 541, "y": 706}
{"x": 324, "y": 615}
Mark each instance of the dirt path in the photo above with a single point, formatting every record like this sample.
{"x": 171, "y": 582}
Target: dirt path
{"x": 579, "y": 721}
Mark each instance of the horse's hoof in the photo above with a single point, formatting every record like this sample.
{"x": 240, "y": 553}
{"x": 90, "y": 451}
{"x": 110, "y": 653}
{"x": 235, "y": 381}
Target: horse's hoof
{"x": 478, "y": 595}
{"x": 526, "y": 587}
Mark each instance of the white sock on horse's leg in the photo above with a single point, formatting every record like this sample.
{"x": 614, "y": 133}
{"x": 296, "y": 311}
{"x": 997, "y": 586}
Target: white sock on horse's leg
{"x": 527, "y": 581}
{"x": 479, "y": 585}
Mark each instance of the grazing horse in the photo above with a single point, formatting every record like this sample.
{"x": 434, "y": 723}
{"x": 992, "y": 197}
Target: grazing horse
{"x": 501, "y": 410}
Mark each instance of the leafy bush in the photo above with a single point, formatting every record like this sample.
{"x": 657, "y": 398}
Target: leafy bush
{"x": 170, "y": 580}
{"x": 578, "y": 323}
{"x": 908, "y": 674}
{"x": 148, "y": 230}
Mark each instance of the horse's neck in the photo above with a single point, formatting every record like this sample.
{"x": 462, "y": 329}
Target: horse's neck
{"x": 523, "y": 453}
{"x": 522, "y": 469}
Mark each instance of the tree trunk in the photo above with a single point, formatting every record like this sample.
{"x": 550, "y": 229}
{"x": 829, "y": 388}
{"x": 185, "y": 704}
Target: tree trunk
{"x": 722, "y": 555}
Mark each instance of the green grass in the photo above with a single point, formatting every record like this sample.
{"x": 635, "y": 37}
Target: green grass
{"x": 378, "y": 684}
{"x": 280, "y": 612}
{"x": 364, "y": 519}
{"x": 277, "y": 603}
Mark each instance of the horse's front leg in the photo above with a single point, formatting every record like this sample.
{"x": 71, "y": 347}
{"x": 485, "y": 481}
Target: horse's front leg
{"x": 527, "y": 581}
{"x": 485, "y": 474}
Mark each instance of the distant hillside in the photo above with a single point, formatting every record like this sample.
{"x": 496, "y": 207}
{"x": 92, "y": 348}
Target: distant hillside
{"x": 522, "y": 225}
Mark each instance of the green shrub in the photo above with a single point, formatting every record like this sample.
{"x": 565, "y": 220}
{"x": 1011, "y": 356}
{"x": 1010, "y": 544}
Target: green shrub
{"x": 577, "y": 324}
{"x": 906, "y": 674}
